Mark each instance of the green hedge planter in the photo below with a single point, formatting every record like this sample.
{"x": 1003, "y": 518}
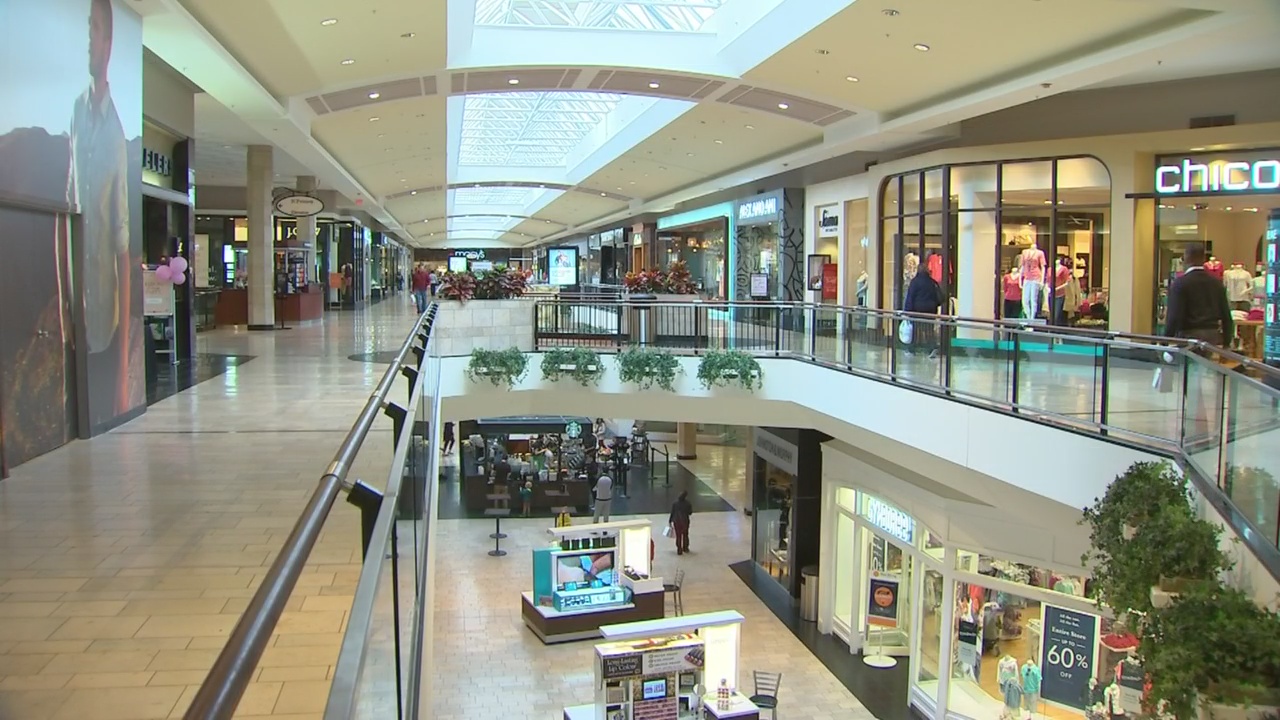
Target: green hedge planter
{"x": 581, "y": 364}
{"x": 721, "y": 368}
{"x": 646, "y": 367}
{"x": 499, "y": 367}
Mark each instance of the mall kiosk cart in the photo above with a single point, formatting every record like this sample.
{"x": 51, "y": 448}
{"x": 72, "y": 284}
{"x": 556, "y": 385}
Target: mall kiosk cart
{"x": 592, "y": 575}
{"x": 678, "y": 668}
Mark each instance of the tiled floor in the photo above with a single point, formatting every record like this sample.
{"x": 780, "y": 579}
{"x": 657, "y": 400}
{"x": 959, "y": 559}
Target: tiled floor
{"x": 128, "y": 558}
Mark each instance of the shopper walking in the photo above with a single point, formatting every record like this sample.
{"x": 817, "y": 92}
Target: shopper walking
{"x": 447, "y": 439}
{"x": 1198, "y": 307}
{"x": 604, "y": 498}
{"x": 421, "y": 283}
{"x": 433, "y": 281}
{"x": 924, "y": 296}
{"x": 681, "y": 511}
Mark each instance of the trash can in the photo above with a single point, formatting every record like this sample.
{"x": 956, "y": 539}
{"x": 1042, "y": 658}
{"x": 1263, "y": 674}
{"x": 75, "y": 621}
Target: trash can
{"x": 642, "y": 320}
{"x": 809, "y": 593}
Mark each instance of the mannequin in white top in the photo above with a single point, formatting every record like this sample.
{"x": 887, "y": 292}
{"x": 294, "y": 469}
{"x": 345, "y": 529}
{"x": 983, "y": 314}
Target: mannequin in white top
{"x": 1239, "y": 284}
{"x": 1031, "y": 266}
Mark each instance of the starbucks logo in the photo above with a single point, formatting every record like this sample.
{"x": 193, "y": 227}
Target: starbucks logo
{"x": 573, "y": 429}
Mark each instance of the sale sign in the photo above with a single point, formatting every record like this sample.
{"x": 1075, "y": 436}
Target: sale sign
{"x": 1068, "y": 655}
{"x": 882, "y": 603}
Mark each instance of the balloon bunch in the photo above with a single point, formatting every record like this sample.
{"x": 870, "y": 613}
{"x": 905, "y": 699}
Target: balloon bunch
{"x": 174, "y": 272}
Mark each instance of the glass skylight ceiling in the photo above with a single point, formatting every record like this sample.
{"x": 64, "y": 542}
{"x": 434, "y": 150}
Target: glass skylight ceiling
{"x": 537, "y": 129}
{"x": 644, "y": 15}
{"x": 473, "y": 198}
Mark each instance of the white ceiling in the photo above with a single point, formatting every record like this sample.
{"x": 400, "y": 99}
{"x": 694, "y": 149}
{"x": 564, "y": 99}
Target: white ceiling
{"x": 650, "y": 103}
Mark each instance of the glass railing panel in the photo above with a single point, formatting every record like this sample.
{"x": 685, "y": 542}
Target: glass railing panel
{"x": 1059, "y": 375}
{"x": 1251, "y": 456}
{"x": 1144, "y": 389}
{"x": 871, "y": 337}
{"x": 919, "y": 357}
{"x": 1202, "y": 415}
{"x": 827, "y": 334}
{"x": 982, "y": 360}
{"x": 377, "y": 688}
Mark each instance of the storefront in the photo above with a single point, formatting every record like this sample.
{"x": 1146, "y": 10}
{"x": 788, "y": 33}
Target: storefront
{"x": 607, "y": 257}
{"x": 768, "y": 258}
{"x": 836, "y": 232}
{"x": 1005, "y": 239}
{"x": 1224, "y": 202}
{"x": 168, "y": 193}
{"x": 961, "y": 619}
{"x": 699, "y": 239}
{"x": 786, "y": 478}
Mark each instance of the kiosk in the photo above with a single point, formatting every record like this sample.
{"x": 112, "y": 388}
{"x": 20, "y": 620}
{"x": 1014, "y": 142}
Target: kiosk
{"x": 670, "y": 669}
{"x": 592, "y": 575}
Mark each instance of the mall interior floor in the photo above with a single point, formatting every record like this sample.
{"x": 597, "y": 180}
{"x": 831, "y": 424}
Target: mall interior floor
{"x": 128, "y": 558}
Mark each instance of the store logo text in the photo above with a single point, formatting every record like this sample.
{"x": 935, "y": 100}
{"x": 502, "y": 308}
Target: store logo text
{"x": 1235, "y": 176}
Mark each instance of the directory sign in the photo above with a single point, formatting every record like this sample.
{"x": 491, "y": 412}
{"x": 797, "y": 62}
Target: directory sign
{"x": 1068, "y": 655}
{"x": 562, "y": 266}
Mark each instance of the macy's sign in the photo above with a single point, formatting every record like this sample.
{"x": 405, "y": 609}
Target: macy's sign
{"x": 1201, "y": 178}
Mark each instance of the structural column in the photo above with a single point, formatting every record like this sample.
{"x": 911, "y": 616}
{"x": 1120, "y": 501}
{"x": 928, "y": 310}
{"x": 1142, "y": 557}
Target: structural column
{"x": 258, "y": 203}
{"x": 686, "y": 441}
{"x": 307, "y": 225}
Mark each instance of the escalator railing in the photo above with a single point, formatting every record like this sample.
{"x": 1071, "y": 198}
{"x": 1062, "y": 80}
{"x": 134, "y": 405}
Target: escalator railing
{"x": 1213, "y": 410}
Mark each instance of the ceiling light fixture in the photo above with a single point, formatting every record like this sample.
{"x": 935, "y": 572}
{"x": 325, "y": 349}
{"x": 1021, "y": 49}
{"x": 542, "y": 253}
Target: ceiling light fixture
{"x": 604, "y": 194}
{"x": 921, "y": 47}
{"x": 850, "y": 78}
{"x": 375, "y": 118}
{"x": 783, "y": 106}
{"x": 375, "y": 95}
{"x": 751, "y": 127}
{"x": 719, "y": 142}
{"x": 413, "y": 192}
{"x": 348, "y": 61}
{"x": 408, "y": 35}
{"x": 329, "y": 21}
{"x": 822, "y": 51}
{"x": 689, "y": 154}
{"x": 513, "y": 81}
{"x": 1199, "y": 149}
{"x": 654, "y": 85}
{"x": 890, "y": 12}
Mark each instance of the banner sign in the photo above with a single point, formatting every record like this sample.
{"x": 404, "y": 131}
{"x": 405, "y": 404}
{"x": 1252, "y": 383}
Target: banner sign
{"x": 969, "y": 637}
{"x": 622, "y": 666}
{"x": 673, "y": 660}
{"x": 1068, "y": 654}
{"x": 882, "y": 601}
{"x": 830, "y": 281}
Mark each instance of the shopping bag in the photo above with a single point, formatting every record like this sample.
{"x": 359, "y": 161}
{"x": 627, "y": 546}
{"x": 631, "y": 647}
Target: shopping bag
{"x": 906, "y": 331}
{"x": 666, "y": 531}
{"x": 1162, "y": 381}
{"x": 564, "y": 520}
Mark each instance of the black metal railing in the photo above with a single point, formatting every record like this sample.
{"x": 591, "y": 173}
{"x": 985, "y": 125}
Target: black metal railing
{"x": 225, "y": 684}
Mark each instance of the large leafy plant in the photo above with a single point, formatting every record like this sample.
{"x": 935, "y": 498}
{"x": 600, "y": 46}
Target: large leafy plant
{"x": 719, "y": 368}
{"x": 646, "y": 367}
{"x": 581, "y": 364}
{"x": 675, "y": 280}
{"x": 457, "y": 286}
{"x": 499, "y": 367}
{"x": 500, "y": 283}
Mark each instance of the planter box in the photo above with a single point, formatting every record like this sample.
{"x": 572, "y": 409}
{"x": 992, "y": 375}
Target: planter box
{"x": 486, "y": 324}
{"x": 571, "y": 368}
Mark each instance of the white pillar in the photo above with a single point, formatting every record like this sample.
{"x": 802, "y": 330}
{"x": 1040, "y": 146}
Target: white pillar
{"x": 307, "y": 226}
{"x": 686, "y": 441}
{"x": 976, "y": 269}
{"x": 262, "y": 299}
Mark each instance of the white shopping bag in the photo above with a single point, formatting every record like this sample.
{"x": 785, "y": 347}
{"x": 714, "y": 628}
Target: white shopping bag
{"x": 905, "y": 332}
{"x": 1162, "y": 381}
{"x": 666, "y": 531}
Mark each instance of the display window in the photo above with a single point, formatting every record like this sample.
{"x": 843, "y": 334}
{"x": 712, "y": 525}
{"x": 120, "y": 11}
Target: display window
{"x": 1014, "y": 240}
{"x": 1074, "y": 586}
{"x": 773, "y": 519}
{"x": 703, "y": 250}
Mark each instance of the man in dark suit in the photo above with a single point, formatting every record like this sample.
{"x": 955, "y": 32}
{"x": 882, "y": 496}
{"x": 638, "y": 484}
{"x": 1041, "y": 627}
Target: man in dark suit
{"x": 1198, "y": 307}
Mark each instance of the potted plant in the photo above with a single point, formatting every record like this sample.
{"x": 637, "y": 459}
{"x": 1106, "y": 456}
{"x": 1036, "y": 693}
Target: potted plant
{"x": 724, "y": 367}
{"x": 458, "y": 286}
{"x": 647, "y": 367}
{"x": 1213, "y": 653}
{"x": 1173, "y": 551}
{"x": 581, "y": 364}
{"x": 499, "y": 367}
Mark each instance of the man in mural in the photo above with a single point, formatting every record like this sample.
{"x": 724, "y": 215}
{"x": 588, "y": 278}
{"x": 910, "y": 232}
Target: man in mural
{"x": 98, "y": 186}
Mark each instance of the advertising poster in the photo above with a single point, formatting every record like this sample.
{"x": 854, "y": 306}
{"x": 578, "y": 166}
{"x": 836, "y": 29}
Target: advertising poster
{"x": 815, "y": 265}
{"x": 457, "y": 264}
{"x": 562, "y": 266}
{"x": 1067, "y": 656}
{"x": 969, "y": 637}
{"x": 1132, "y": 682}
{"x": 618, "y": 667}
{"x": 830, "y": 281}
{"x": 759, "y": 285}
{"x": 882, "y": 601}
{"x": 673, "y": 660}
{"x": 157, "y": 295}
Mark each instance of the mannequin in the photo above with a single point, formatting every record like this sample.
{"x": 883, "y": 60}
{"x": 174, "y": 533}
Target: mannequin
{"x": 861, "y": 292}
{"x": 1010, "y": 686}
{"x": 910, "y": 265}
{"x": 1213, "y": 266}
{"x": 1011, "y": 285}
{"x": 1031, "y": 264}
{"x": 1239, "y": 284}
{"x": 1030, "y": 686}
{"x": 1111, "y": 702}
{"x": 1062, "y": 278}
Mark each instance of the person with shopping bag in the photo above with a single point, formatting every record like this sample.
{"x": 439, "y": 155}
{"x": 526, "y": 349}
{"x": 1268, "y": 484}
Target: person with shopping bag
{"x": 681, "y": 511}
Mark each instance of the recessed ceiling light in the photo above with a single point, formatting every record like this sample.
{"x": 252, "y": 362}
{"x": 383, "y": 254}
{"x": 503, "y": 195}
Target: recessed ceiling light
{"x": 513, "y": 81}
{"x": 921, "y": 47}
{"x": 654, "y": 85}
{"x": 890, "y": 12}
{"x": 375, "y": 118}
{"x": 375, "y": 95}
{"x": 822, "y": 51}
{"x": 1251, "y": 209}
{"x": 403, "y": 180}
{"x": 604, "y": 194}
{"x": 1228, "y": 208}
{"x": 783, "y": 106}
{"x": 850, "y": 78}
{"x": 348, "y": 61}
{"x": 413, "y": 192}
{"x": 633, "y": 182}
{"x": 719, "y": 142}
{"x": 329, "y": 21}
{"x": 408, "y": 35}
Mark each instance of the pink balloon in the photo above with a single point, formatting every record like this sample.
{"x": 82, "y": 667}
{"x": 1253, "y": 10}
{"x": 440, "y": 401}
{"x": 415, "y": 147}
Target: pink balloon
{"x": 178, "y": 264}
{"x": 164, "y": 273}
{"x": 179, "y": 278}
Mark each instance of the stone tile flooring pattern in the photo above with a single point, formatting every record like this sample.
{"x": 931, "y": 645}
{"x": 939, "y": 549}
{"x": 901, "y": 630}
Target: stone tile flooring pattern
{"x": 128, "y": 558}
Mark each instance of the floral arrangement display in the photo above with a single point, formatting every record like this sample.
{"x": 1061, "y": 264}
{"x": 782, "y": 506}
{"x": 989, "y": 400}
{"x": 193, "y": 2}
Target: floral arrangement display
{"x": 675, "y": 280}
{"x": 500, "y": 283}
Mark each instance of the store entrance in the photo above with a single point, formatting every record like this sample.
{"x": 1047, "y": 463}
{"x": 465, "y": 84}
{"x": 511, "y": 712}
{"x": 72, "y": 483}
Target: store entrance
{"x": 887, "y": 562}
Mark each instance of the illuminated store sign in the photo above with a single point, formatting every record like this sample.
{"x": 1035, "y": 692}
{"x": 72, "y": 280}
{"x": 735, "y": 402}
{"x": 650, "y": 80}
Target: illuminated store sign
{"x": 470, "y": 254}
{"x": 1195, "y": 178}
{"x": 891, "y": 520}
{"x": 761, "y": 209}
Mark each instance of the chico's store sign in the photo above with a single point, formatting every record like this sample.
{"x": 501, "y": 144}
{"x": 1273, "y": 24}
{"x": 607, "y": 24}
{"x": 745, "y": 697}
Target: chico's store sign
{"x": 1192, "y": 177}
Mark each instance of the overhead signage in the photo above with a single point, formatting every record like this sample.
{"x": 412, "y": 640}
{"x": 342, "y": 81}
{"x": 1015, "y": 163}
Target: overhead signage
{"x": 156, "y": 162}
{"x": 617, "y": 667}
{"x": 891, "y": 520}
{"x": 829, "y": 221}
{"x": 637, "y": 239}
{"x": 299, "y": 205}
{"x": 1068, "y": 654}
{"x": 593, "y": 242}
{"x": 776, "y": 451}
{"x": 882, "y": 600}
{"x": 562, "y": 262}
{"x": 1190, "y": 177}
{"x": 759, "y": 210}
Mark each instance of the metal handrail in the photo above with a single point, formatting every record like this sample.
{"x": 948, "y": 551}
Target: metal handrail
{"x": 223, "y": 687}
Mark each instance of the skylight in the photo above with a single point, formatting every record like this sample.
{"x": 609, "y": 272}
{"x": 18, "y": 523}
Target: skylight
{"x": 643, "y": 15}
{"x": 493, "y": 196}
{"x": 536, "y": 129}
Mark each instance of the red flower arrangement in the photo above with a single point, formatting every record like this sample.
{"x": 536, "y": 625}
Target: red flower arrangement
{"x": 675, "y": 280}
